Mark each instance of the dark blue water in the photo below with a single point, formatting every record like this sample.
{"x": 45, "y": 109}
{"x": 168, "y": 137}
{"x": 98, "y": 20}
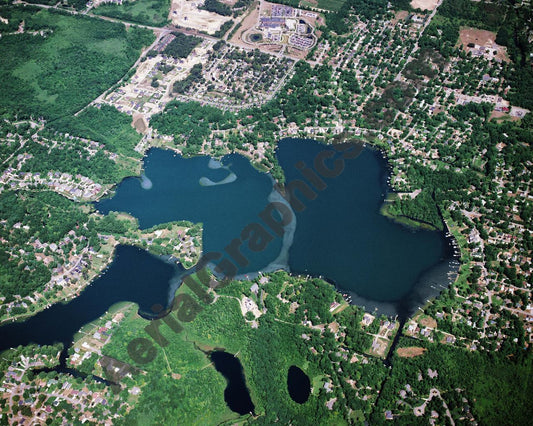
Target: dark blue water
{"x": 298, "y": 384}
{"x": 339, "y": 235}
{"x": 342, "y": 236}
{"x": 134, "y": 275}
{"x": 236, "y": 393}
{"x": 178, "y": 194}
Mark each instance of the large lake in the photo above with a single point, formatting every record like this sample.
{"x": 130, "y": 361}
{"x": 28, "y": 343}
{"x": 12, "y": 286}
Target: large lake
{"x": 339, "y": 235}
{"x": 342, "y": 236}
{"x": 224, "y": 198}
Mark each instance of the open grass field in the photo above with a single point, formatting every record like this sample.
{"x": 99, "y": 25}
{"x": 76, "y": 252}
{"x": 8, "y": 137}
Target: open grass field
{"x": 59, "y": 63}
{"x": 147, "y": 12}
{"x": 182, "y": 378}
{"x": 333, "y": 5}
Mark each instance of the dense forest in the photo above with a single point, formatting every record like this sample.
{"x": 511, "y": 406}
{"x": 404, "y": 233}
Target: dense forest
{"x": 190, "y": 123}
{"x": 422, "y": 208}
{"x": 147, "y": 12}
{"x": 194, "y": 76}
{"x": 70, "y": 61}
{"x": 380, "y": 111}
{"x": 181, "y": 46}
{"x": 265, "y": 352}
{"x": 224, "y": 28}
{"x": 70, "y": 158}
{"x": 513, "y": 34}
{"x": 339, "y": 23}
{"x": 44, "y": 215}
{"x": 486, "y": 15}
{"x": 497, "y": 388}
{"x": 217, "y": 7}
{"x": 106, "y": 125}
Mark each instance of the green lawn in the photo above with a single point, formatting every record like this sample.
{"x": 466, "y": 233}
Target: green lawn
{"x": 147, "y": 12}
{"x": 62, "y": 62}
{"x": 333, "y": 5}
{"x": 180, "y": 378}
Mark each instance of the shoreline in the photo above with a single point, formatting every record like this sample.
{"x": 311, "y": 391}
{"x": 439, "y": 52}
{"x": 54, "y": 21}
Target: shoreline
{"x": 282, "y": 260}
{"x": 66, "y": 299}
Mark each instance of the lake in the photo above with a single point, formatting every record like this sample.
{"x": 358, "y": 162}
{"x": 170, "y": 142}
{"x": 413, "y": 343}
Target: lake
{"x": 339, "y": 235}
{"x": 236, "y": 393}
{"x": 342, "y": 236}
{"x": 335, "y": 231}
{"x": 134, "y": 275}
{"x": 225, "y": 198}
{"x": 298, "y": 385}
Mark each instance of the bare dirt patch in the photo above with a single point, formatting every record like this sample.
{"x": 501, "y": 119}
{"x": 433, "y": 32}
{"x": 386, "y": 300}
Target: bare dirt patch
{"x": 482, "y": 39}
{"x": 272, "y": 48}
{"x": 399, "y": 16}
{"x": 139, "y": 123}
{"x": 428, "y": 322}
{"x": 410, "y": 352}
{"x": 500, "y": 115}
{"x": 185, "y": 13}
{"x": 247, "y": 23}
{"x": 379, "y": 347}
{"x": 296, "y": 53}
{"x": 334, "y": 327}
{"x": 424, "y": 4}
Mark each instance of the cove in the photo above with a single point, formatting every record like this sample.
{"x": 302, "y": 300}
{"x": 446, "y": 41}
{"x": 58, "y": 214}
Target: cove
{"x": 236, "y": 393}
{"x": 224, "y": 196}
{"x": 134, "y": 275}
{"x": 298, "y": 385}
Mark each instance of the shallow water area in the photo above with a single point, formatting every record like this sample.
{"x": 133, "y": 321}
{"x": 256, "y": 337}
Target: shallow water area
{"x": 225, "y": 196}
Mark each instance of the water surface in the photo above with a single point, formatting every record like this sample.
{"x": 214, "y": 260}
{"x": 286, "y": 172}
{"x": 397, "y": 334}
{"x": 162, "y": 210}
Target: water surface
{"x": 298, "y": 384}
{"x": 342, "y": 236}
{"x": 339, "y": 234}
{"x": 134, "y": 275}
{"x": 236, "y": 393}
{"x": 224, "y": 197}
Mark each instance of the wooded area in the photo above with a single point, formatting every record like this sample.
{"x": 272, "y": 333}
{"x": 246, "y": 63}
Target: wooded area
{"x": 105, "y": 124}
{"x": 59, "y": 72}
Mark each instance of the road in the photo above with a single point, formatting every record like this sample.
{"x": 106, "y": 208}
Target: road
{"x": 418, "y": 411}
{"x": 426, "y": 24}
{"x": 134, "y": 66}
{"x": 161, "y": 32}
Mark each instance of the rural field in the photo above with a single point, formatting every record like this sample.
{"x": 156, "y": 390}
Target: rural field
{"x": 333, "y": 5}
{"x": 147, "y": 12}
{"x": 57, "y": 63}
